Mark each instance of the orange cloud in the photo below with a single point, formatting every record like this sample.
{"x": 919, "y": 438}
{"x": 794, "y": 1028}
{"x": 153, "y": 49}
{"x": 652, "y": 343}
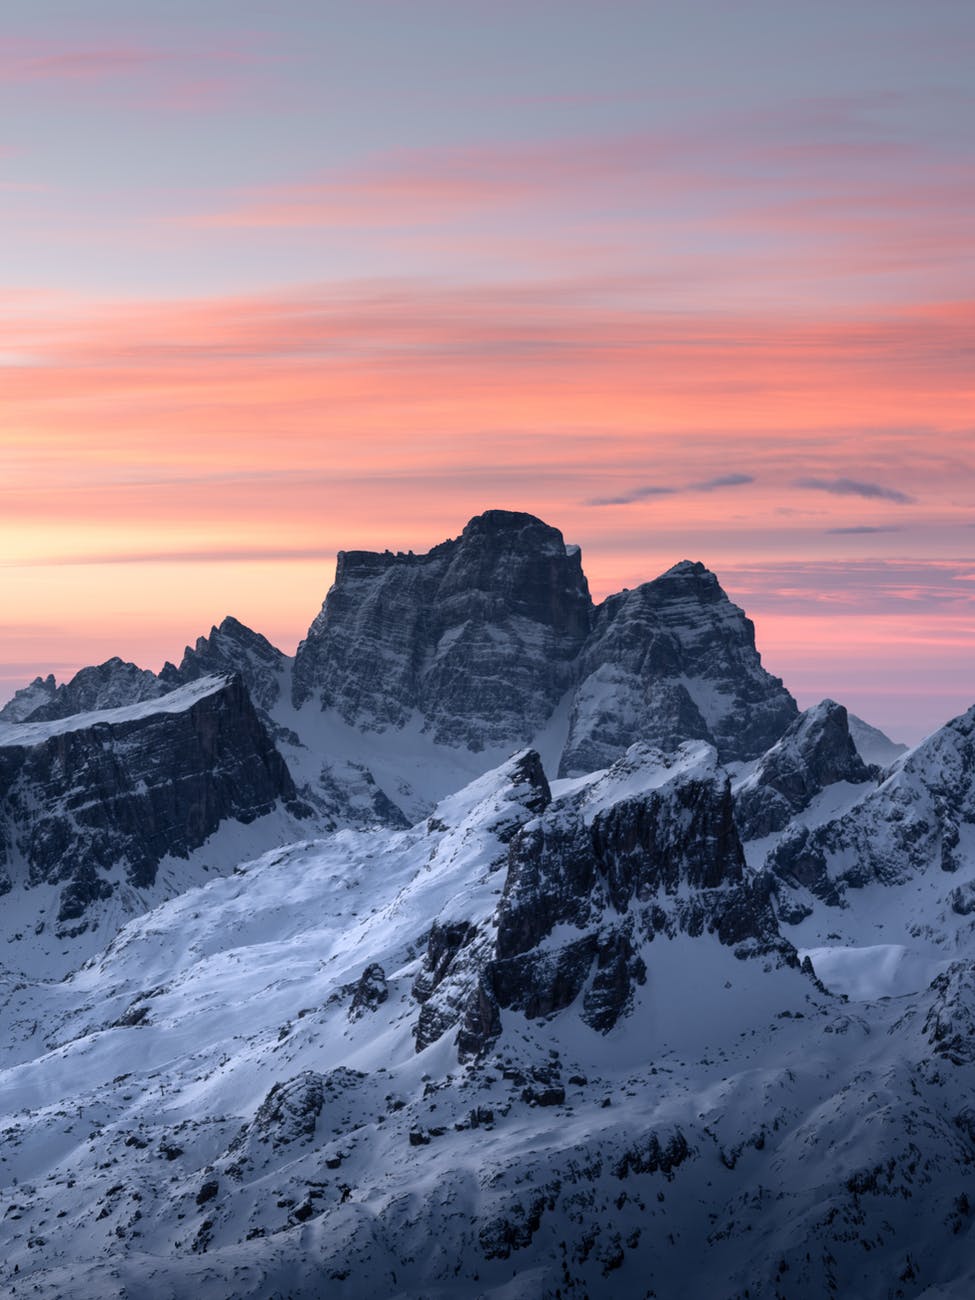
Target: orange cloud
{"x": 160, "y": 457}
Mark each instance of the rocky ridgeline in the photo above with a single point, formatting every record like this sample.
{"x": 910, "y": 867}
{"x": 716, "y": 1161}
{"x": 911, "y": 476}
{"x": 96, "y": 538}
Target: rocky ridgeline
{"x": 116, "y": 791}
{"x": 913, "y": 819}
{"x": 106, "y": 686}
{"x": 233, "y": 648}
{"x": 816, "y": 751}
{"x": 479, "y": 636}
{"x": 670, "y": 661}
{"x": 606, "y": 869}
{"x": 478, "y": 643}
{"x": 483, "y": 636}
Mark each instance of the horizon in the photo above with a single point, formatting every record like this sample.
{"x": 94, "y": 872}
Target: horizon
{"x": 865, "y": 704}
{"x": 684, "y": 283}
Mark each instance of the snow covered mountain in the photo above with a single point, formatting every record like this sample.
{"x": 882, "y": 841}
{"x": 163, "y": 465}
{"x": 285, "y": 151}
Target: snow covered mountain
{"x": 105, "y": 686}
{"x": 551, "y": 1040}
{"x": 423, "y": 671}
{"x": 478, "y": 637}
{"x": 93, "y": 805}
{"x": 498, "y": 945}
{"x": 672, "y": 660}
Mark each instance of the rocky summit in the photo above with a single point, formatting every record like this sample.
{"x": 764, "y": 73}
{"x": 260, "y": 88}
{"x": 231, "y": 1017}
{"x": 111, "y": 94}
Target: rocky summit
{"x": 478, "y": 637}
{"x": 497, "y": 945}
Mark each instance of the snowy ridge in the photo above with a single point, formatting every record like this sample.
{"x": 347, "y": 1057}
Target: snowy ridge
{"x": 275, "y": 1126}
{"x": 498, "y": 946}
{"x": 28, "y": 734}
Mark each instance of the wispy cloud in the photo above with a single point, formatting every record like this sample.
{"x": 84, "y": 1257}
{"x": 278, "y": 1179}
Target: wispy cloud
{"x": 851, "y": 487}
{"x": 635, "y": 494}
{"x": 722, "y": 481}
{"x": 858, "y": 529}
{"x": 854, "y": 587}
{"x": 644, "y": 493}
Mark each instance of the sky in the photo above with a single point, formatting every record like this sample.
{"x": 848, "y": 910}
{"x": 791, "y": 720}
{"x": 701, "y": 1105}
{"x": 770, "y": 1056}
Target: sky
{"x": 686, "y": 281}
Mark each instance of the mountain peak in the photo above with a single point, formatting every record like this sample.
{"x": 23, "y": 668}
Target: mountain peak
{"x": 690, "y": 568}
{"x": 514, "y": 526}
{"x": 476, "y": 637}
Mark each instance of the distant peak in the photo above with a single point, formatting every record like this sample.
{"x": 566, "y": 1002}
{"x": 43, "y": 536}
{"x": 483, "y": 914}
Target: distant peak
{"x": 824, "y": 707}
{"x": 232, "y": 625}
{"x": 506, "y": 521}
{"x": 688, "y": 568}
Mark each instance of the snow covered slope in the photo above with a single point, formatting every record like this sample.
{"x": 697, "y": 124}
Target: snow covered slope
{"x": 92, "y": 805}
{"x": 243, "y": 1096}
{"x": 677, "y": 1001}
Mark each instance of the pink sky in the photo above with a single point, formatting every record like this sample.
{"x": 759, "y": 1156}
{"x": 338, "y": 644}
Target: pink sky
{"x": 282, "y": 290}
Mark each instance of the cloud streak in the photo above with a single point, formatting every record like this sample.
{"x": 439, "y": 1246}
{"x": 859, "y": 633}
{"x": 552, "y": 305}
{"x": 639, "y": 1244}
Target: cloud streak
{"x": 635, "y": 494}
{"x": 850, "y": 487}
{"x": 857, "y": 530}
{"x": 654, "y": 490}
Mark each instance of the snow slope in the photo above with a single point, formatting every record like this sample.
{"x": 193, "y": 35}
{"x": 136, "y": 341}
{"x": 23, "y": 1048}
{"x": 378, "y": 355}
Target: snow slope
{"x": 221, "y": 1105}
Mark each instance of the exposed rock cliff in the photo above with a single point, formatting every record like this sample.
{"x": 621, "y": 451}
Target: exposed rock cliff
{"x": 97, "y": 798}
{"x": 233, "y": 648}
{"x": 478, "y": 636}
{"x": 106, "y": 686}
{"x": 673, "y": 660}
{"x": 650, "y": 848}
{"x": 815, "y": 752}
{"x": 913, "y": 820}
{"x": 482, "y": 637}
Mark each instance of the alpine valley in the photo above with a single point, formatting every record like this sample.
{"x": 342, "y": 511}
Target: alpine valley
{"x": 497, "y": 944}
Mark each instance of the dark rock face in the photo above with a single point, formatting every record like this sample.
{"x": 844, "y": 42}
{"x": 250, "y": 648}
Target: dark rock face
{"x": 682, "y": 834}
{"x": 79, "y": 799}
{"x": 485, "y": 634}
{"x": 106, "y": 686}
{"x": 370, "y": 992}
{"x": 670, "y": 661}
{"x": 816, "y": 751}
{"x": 950, "y": 1023}
{"x": 665, "y": 861}
{"x": 479, "y": 635}
{"x": 233, "y": 648}
{"x": 909, "y": 823}
{"x": 290, "y": 1110}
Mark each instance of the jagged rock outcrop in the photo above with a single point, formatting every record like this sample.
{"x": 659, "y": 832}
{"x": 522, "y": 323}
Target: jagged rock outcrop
{"x": 287, "y": 1115}
{"x": 481, "y": 638}
{"x": 478, "y": 637}
{"x": 949, "y": 1025}
{"x": 910, "y": 823}
{"x": 233, "y": 648}
{"x": 110, "y": 685}
{"x": 449, "y": 985}
{"x": 815, "y": 752}
{"x": 370, "y": 992}
{"x": 115, "y": 793}
{"x": 649, "y": 848}
{"x": 673, "y": 660}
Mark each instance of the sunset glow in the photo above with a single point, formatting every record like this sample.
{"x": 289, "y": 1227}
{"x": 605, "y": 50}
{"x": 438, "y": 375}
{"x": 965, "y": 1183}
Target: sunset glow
{"x": 344, "y": 276}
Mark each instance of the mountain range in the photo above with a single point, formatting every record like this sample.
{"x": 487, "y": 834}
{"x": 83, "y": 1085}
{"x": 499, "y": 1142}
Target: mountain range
{"x": 498, "y": 944}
